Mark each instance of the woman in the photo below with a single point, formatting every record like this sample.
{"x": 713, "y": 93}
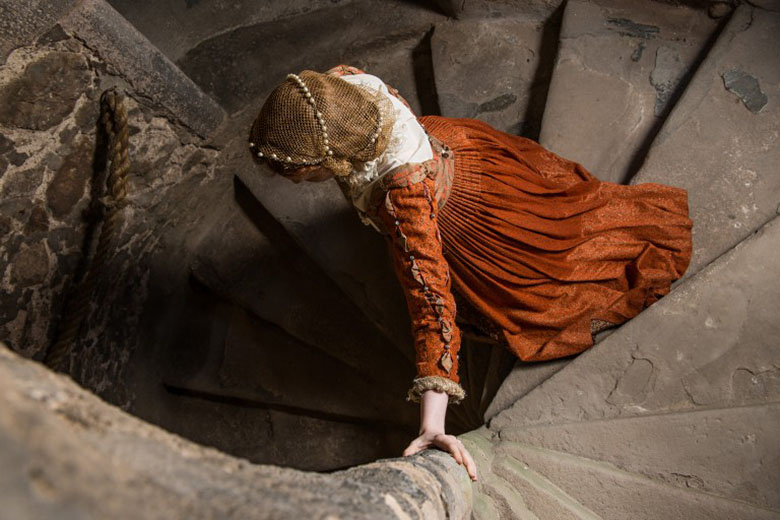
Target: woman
{"x": 548, "y": 254}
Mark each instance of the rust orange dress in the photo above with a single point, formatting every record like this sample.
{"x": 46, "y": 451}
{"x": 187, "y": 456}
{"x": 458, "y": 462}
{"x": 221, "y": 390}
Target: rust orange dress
{"x": 534, "y": 242}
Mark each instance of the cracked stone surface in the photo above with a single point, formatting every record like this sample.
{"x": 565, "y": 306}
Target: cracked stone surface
{"x": 713, "y": 328}
{"x": 719, "y": 149}
{"x": 23, "y": 22}
{"x": 618, "y": 67}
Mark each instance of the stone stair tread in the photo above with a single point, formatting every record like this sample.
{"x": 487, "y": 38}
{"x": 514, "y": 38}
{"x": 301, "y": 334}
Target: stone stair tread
{"x": 199, "y": 21}
{"x": 521, "y": 500}
{"x": 485, "y": 69}
{"x": 347, "y": 33}
{"x": 619, "y": 65}
{"x": 242, "y": 265}
{"x": 727, "y": 452}
{"x": 247, "y": 370}
{"x": 716, "y": 147}
{"x": 614, "y": 494}
{"x": 353, "y": 256}
{"x": 703, "y": 345}
{"x": 523, "y": 378}
{"x": 543, "y": 497}
{"x": 498, "y": 497}
{"x": 490, "y": 9}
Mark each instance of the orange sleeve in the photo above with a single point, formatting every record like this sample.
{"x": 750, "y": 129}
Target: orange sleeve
{"x": 409, "y": 215}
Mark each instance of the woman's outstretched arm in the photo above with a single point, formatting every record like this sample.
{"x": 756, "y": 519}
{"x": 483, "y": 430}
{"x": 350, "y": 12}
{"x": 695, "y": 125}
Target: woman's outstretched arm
{"x": 409, "y": 215}
{"x": 433, "y": 410}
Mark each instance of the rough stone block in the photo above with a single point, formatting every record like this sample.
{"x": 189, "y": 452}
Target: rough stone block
{"x": 45, "y": 92}
{"x": 619, "y": 67}
{"x": 722, "y": 142}
{"x": 22, "y": 21}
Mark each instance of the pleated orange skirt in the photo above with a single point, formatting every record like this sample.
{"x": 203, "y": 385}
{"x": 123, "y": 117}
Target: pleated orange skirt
{"x": 544, "y": 249}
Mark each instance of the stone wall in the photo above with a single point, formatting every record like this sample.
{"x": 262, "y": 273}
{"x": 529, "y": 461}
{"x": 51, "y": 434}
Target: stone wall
{"x": 49, "y": 104}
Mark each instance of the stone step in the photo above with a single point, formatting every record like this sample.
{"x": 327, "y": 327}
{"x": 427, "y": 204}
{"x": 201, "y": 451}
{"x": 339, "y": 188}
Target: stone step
{"x": 709, "y": 343}
{"x": 597, "y": 490}
{"x": 619, "y": 67}
{"x": 259, "y": 364}
{"x": 199, "y": 21}
{"x": 493, "y": 70}
{"x": 732, "y": 453}
{"x": 506, "y": 489}
{"x": 722, "y": 140}
{"x": 352, "y": 258}
{"x": 523, "y": 378}
{"x": 490, "y": 9}
{"x": 247, "y": 259}
{"x": 355, "y": 33}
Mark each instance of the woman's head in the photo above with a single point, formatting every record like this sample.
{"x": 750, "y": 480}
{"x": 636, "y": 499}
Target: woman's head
{"x": 314, "y": 119}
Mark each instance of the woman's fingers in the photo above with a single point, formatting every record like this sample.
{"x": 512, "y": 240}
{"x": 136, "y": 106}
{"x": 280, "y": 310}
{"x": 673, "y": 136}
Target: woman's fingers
{"x": 448, "y": 443}
{"x": 471, "y": 466}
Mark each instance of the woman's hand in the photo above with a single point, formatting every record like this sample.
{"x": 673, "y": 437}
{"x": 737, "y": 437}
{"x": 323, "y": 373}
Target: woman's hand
{"x": 433, "y": 409}
{"x": 448, "y": 443}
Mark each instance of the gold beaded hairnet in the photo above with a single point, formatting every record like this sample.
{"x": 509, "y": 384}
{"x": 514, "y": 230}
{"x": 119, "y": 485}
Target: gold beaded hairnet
{"x": 314, "y": 118}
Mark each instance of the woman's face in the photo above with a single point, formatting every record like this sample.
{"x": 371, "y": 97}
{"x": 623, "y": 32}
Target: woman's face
{"x": 316, "y": 173}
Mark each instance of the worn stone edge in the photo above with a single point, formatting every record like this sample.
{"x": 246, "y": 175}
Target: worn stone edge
{"x": 151, "y": 74}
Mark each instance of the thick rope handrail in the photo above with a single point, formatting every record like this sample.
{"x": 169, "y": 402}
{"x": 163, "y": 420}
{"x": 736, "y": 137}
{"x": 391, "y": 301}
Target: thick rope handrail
{"x": 113, "y": 117}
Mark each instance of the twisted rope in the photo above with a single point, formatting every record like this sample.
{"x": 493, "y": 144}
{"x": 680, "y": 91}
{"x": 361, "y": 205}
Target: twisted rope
{"x": 113, "y": 117}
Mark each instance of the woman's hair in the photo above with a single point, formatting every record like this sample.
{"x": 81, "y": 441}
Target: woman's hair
{"x": 317, "y": 119}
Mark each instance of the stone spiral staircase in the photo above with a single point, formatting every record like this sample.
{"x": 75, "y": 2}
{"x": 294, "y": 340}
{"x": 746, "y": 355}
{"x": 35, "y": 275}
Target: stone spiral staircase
{"x": 292, "y": 307}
